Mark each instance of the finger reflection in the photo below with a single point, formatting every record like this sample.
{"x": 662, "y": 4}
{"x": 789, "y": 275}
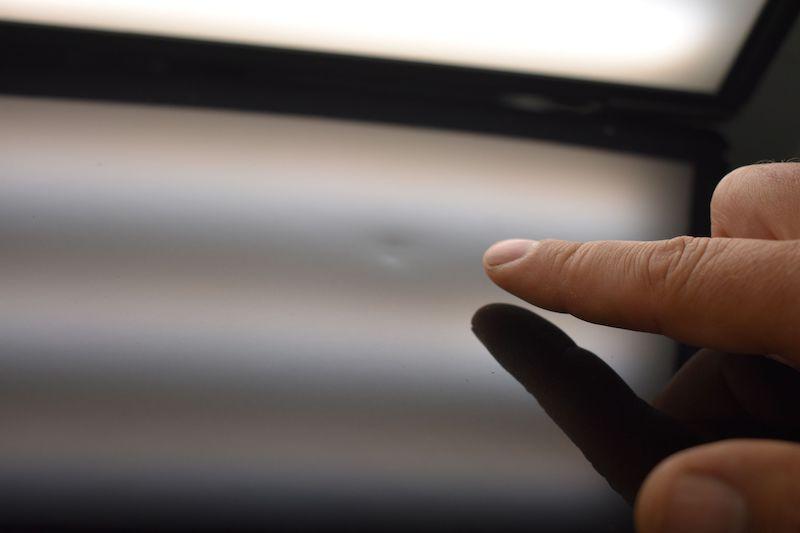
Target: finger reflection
{"x": 620, "y": 434}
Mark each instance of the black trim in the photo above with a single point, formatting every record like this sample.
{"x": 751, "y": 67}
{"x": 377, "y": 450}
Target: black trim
{"x": 57, "y": 61}
{"x": 119, "y": 67}
{"x": 772, "y": 26}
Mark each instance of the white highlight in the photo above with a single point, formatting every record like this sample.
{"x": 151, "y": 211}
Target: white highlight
{"x": 679, "y": 44}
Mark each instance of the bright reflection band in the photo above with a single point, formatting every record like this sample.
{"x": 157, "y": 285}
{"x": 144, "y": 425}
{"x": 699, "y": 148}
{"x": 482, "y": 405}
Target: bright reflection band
{"x": 674, "y": 44}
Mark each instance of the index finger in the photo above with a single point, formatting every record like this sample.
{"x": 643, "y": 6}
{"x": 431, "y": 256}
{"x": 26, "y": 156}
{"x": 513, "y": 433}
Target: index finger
{"x": 736, "y": 295}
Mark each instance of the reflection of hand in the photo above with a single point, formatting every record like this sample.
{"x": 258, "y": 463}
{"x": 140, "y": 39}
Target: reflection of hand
{"x": 737, "y": 292}
{"x": 714, "y": 396}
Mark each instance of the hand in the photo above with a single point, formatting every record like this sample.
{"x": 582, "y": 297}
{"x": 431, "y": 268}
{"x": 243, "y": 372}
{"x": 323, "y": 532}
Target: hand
{"x": 735, "y": 293}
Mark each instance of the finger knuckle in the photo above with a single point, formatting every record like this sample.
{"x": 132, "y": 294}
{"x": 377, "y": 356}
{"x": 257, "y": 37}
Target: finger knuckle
{"x": 569, "y": 258}
{"x": 670, "y": 265}
{"x": 571, "y": 261}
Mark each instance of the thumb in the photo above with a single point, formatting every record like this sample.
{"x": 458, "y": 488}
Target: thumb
{"x": 741, "y": 486}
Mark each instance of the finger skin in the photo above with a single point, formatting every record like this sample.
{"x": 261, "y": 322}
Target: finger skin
{"x": 736, "y": 295}
{"x": 765, "y": 474}
{"x": 758, "y": 202}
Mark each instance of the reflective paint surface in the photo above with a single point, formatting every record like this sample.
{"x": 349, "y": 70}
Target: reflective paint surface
{"x": 674, "y": 44}
{"x": 275, "y": 311}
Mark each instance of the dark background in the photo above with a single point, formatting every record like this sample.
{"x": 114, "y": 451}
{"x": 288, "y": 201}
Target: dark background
{"x": 767, "y": 127}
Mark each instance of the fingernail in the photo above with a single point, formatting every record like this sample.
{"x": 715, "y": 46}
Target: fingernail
{"x": 703, "y": 504}
{"x": 506, "y": 251}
